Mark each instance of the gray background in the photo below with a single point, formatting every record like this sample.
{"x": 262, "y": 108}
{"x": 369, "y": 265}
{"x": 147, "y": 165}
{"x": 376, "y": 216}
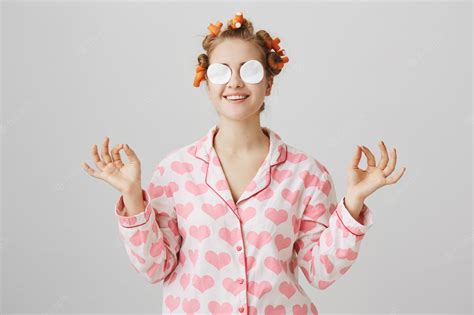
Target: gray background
{"x": 359, "y": 72}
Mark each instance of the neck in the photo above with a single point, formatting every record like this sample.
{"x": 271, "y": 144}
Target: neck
{"x": 240, "y": 138}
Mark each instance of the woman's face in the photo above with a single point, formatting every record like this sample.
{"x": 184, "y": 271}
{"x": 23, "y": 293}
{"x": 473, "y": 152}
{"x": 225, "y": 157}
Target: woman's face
{"x": 235, "y": 52}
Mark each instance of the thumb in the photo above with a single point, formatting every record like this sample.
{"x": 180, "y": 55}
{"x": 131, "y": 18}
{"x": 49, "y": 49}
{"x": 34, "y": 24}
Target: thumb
{"x": 132, "y": 157}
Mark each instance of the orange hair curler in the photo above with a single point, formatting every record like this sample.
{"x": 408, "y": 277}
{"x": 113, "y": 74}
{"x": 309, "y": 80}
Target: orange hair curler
{"x": 215, "y": 29}
{"x": 200, "y": 72}
{"x": 274, "y": 44}
{"x": 237, "y": 21}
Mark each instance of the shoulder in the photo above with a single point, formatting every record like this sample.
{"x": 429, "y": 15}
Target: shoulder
{"x": 179, "y": 157}
{"x": 305, "y": 161}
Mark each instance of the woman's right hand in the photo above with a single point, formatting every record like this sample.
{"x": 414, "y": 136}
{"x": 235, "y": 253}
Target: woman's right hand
{"x": 123, "y": 177}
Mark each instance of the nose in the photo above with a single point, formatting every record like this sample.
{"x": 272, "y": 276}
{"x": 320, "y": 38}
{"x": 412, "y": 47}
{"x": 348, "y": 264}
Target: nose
{"x": 235, "y": 80}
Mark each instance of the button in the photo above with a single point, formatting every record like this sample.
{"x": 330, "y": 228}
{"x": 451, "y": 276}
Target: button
{"x": 241, "y": 309}
{"x": 239, "y": 248}
{"x": 241, "y": 280}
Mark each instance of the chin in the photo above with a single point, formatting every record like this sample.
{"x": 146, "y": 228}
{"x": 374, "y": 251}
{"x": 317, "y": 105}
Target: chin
{"x": 237, "y": 113}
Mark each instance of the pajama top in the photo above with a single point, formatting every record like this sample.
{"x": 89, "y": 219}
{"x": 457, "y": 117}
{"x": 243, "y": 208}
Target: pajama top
{"x": 215, "y": 256}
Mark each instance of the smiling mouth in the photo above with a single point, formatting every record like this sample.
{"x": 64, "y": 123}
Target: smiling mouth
{"x": 237, "y": 99}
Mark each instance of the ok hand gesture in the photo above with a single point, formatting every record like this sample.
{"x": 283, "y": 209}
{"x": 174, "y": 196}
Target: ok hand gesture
{"x": 362, "y": 183}
{"x": 112, "y": 170}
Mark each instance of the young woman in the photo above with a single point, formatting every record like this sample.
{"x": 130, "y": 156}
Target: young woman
{"x": 226, "y": 220}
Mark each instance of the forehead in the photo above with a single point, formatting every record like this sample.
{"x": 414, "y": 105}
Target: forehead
{"x": 234, "y": 52}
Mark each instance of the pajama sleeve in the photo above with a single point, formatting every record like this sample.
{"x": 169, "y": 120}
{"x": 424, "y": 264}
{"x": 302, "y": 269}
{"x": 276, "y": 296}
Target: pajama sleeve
{"x": 329, "y": 236}
{"x": 151, "y": 238}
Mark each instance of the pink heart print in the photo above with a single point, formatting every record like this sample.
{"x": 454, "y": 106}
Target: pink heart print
{"x": 155, "y": 191}
{"x": 287, "y": 289}
{"x": 275, "y": 310}
{"x": 153, "y": 268}
{"x": 184, "y": 280}
{"x": 230, "y": 236}
{"x": 191, "y": 306}
{"x": 181, "y": 167}
{"x": 157, "y": 248}
{"x": 220, "y": 309}
{"x": 300, "y": 309}
{"x": 280, "y": 176}
{"x": 276, "y": 216}
{"x": 139, "y": 237}
{"x": 324, "y": 284}
{"x": 170, "y": 189}
{"x": 182, "y": 258}
{"x": 265, "y": 194}
{"x": 345, "y": 269}
{"x": 346, "y": 254}
{"x": 282, "y": 242}
{"x": 296, "y": 157}
{"x": 273, "y": 264}
{"x": 328, "y": 265}
{"x": 315, "y": 211}
{"x": 309, "y": 179}
{"x": 217, "y": 260}
{"x": 295, "y": 221}
{"x": 195, "y": 189}
{"x": 290, "y": 196}
{"x": 172, "y": 302}
{"x": 184, "y": 210}
{"x": 325, "y": 187}
{"x": 259, "y": 288}
{"x": 233, "y": 286}
{"x": 247, "y": 214}
{"x": 250, "y": 262}
{"x": 203, "y": 283}
{"x": 259, "y": 239}
{"x": 215, "y": 211}
{"x": 193, "y": 255}
{"x": 199, "y": 232}
{"x": 128, "y": 220}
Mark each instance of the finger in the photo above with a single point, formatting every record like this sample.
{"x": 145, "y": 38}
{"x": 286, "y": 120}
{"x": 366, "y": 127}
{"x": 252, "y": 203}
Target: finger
{"x": 391, "y": 164}
{"x": 90, "y": 170}
{"x": 384, "y": 159}
{"x": 96, "y": 158}
{"x": 105, "y": 151}
{"x": 116, "y": 156}
{"x": 132, "y": 157}
{"x": 356, "y": 158}
{"x": 394, "y": 179}
{"x": 369, "y": 155}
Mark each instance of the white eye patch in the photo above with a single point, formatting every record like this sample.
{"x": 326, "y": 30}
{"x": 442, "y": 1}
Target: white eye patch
{"x": 251, "y": 72}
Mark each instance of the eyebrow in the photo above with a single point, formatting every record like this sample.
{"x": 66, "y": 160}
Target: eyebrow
{"x": 240, "y": 63}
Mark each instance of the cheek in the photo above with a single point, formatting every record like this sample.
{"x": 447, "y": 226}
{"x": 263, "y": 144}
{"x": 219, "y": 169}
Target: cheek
{"x": 258, "y": 90}
{"x": 215, "y": 92}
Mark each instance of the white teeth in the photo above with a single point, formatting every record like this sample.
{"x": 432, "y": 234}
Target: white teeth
{"x": 235, "y": 97}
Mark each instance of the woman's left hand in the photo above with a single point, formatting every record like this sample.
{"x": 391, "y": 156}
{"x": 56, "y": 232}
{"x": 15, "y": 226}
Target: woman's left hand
{"x": 362, "y": 183}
